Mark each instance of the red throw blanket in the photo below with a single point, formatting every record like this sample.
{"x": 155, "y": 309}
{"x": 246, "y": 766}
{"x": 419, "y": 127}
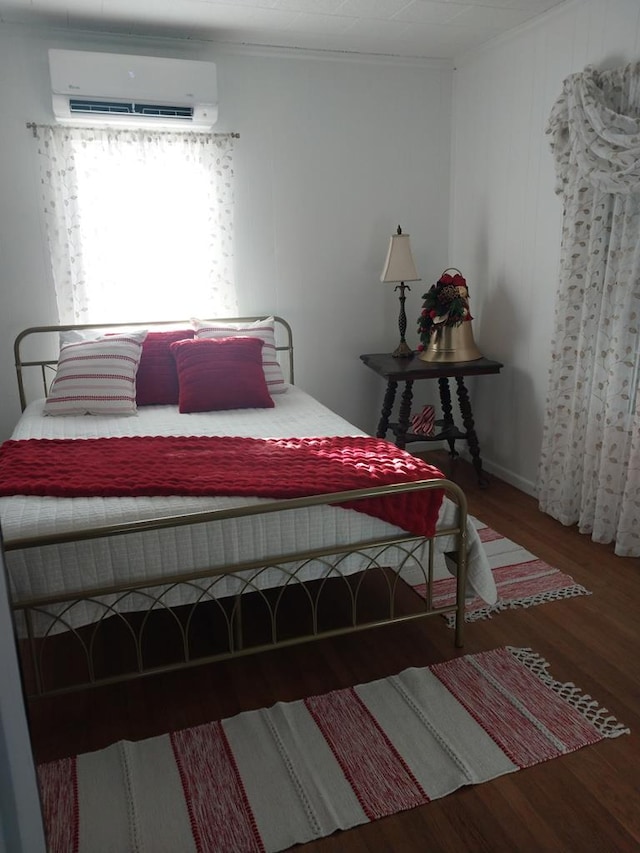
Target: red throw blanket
{"x": 220, "y": 465}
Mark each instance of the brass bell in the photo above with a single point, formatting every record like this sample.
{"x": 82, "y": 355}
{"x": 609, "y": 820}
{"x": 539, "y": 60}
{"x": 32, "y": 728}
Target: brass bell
{"x": 451, "y": 343}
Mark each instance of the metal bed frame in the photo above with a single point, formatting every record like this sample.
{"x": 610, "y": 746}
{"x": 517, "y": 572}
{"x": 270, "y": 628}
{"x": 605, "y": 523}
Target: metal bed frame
{"x": 35, "y": 646}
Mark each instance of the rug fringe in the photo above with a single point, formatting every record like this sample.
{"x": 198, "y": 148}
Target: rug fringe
{"x": 599, "y": 717}
{"x": 513, "y": 603}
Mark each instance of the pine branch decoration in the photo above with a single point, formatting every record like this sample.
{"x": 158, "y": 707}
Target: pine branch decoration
{"x": 446, "y": 303}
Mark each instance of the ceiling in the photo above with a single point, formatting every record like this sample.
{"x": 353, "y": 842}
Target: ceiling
{"x": 408, "y": 28}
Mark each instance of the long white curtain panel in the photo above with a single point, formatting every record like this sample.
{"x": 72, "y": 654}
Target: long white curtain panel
{"x": 589, "y": 470}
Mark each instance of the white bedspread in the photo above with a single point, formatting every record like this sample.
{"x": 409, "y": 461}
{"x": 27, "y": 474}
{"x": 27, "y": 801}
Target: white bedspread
{"x": 74, "y": 567}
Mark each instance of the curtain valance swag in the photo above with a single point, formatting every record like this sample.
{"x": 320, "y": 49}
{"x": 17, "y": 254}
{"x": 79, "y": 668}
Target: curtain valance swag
{"x": 595, "y": 129}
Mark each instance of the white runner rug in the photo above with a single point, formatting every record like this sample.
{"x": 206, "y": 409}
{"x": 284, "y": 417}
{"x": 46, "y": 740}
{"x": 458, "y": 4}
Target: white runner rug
{"x": 522, "y": 580}
{"x": 269, "y": 779}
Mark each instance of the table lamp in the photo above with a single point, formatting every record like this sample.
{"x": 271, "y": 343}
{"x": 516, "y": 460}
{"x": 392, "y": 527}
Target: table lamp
{"x": 399, "y": 267}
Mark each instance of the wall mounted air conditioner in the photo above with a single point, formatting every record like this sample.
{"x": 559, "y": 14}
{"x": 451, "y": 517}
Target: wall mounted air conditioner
{"x": 133, "y": 91}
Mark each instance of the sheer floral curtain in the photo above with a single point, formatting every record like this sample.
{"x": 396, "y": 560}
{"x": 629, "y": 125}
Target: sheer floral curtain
{"x": 590, "y": 462}
{"x": 139, "y": 223}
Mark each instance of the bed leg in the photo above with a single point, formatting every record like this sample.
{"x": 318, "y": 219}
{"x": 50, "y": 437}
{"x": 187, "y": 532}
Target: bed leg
{"x": 457, "y": 564}
{"x": 33, "y": 652}
{"x": 459, "y": 628}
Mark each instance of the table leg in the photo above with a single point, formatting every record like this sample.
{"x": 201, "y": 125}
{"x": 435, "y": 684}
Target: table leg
{"x": 404, "y": 414}
{"x": 387, "y": 406}
{"x": 445, "y": 402}
{"x": 472, "y": 438}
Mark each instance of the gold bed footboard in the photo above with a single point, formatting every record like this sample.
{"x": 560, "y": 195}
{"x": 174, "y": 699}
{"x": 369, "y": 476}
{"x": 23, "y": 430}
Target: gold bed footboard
{"x": 137, "y": 631}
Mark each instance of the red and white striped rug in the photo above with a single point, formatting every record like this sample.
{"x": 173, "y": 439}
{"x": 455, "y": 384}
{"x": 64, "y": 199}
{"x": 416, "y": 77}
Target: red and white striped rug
{"x": 521, "y": 578}
{"x": 269, "y": 779}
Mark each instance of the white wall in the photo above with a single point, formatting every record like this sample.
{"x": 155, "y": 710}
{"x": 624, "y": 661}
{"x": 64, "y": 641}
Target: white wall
{"x": 506, "y": 220}
{"x": 334, "y": 153}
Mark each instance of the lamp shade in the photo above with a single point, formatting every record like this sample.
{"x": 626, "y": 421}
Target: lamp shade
{"x": 399, "y": 265}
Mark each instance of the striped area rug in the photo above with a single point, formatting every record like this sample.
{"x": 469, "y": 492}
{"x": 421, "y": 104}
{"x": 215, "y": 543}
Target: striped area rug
{"x": 269, "y": 779}
{"x": 521, "y": 578}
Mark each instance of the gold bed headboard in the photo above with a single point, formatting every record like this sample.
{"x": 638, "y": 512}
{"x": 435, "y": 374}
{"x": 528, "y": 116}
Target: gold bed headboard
{"x": 44, "y": 341}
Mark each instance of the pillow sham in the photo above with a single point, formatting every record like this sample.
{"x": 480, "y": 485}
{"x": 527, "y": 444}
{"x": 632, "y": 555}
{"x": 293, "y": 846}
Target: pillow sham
{"x": 218, "y": 374}
{"x": 97, "y": 377}
{"x": 73, "y": 336}
{"x": 157, "y": 377}
{"x": 262, "y": 329}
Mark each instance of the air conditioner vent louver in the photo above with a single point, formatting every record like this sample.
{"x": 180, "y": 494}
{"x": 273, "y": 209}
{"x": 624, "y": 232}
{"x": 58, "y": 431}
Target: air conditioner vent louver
{"x": 165, "y": 111}
{"x": 84, "y": 107}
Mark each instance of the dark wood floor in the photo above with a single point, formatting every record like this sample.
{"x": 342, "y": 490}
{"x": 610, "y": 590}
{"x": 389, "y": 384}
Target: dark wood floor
{"x": 587, "y": 801}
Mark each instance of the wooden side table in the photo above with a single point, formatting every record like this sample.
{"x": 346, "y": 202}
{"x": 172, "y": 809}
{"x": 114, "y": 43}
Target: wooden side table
{"x": 409, "y": 370}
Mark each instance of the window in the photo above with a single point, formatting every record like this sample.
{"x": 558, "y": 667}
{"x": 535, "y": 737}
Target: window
{"x": 139, "y": 223}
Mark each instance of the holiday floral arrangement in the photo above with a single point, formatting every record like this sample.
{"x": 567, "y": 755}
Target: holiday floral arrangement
{"x": 446, "y": 303}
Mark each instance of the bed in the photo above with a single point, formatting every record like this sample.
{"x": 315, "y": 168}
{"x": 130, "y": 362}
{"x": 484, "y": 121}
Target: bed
{"x": 78, "y": 564}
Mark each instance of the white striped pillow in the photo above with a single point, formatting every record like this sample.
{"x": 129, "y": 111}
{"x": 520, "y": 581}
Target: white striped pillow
{"x": 97, "y": 377}
{"x": 263, "y": 329}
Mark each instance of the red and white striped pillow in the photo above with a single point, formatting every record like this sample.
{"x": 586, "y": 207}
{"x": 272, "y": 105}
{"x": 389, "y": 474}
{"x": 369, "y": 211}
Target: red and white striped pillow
{"x": 97, "y": 377}
{"x": 263, "y": 329}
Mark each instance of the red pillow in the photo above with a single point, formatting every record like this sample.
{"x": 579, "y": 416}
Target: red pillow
{"x": 221, "y": 374}
{"x": 157, "y": 377}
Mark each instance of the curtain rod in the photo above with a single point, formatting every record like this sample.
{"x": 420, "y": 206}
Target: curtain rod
{"x": 33, "y": 126}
